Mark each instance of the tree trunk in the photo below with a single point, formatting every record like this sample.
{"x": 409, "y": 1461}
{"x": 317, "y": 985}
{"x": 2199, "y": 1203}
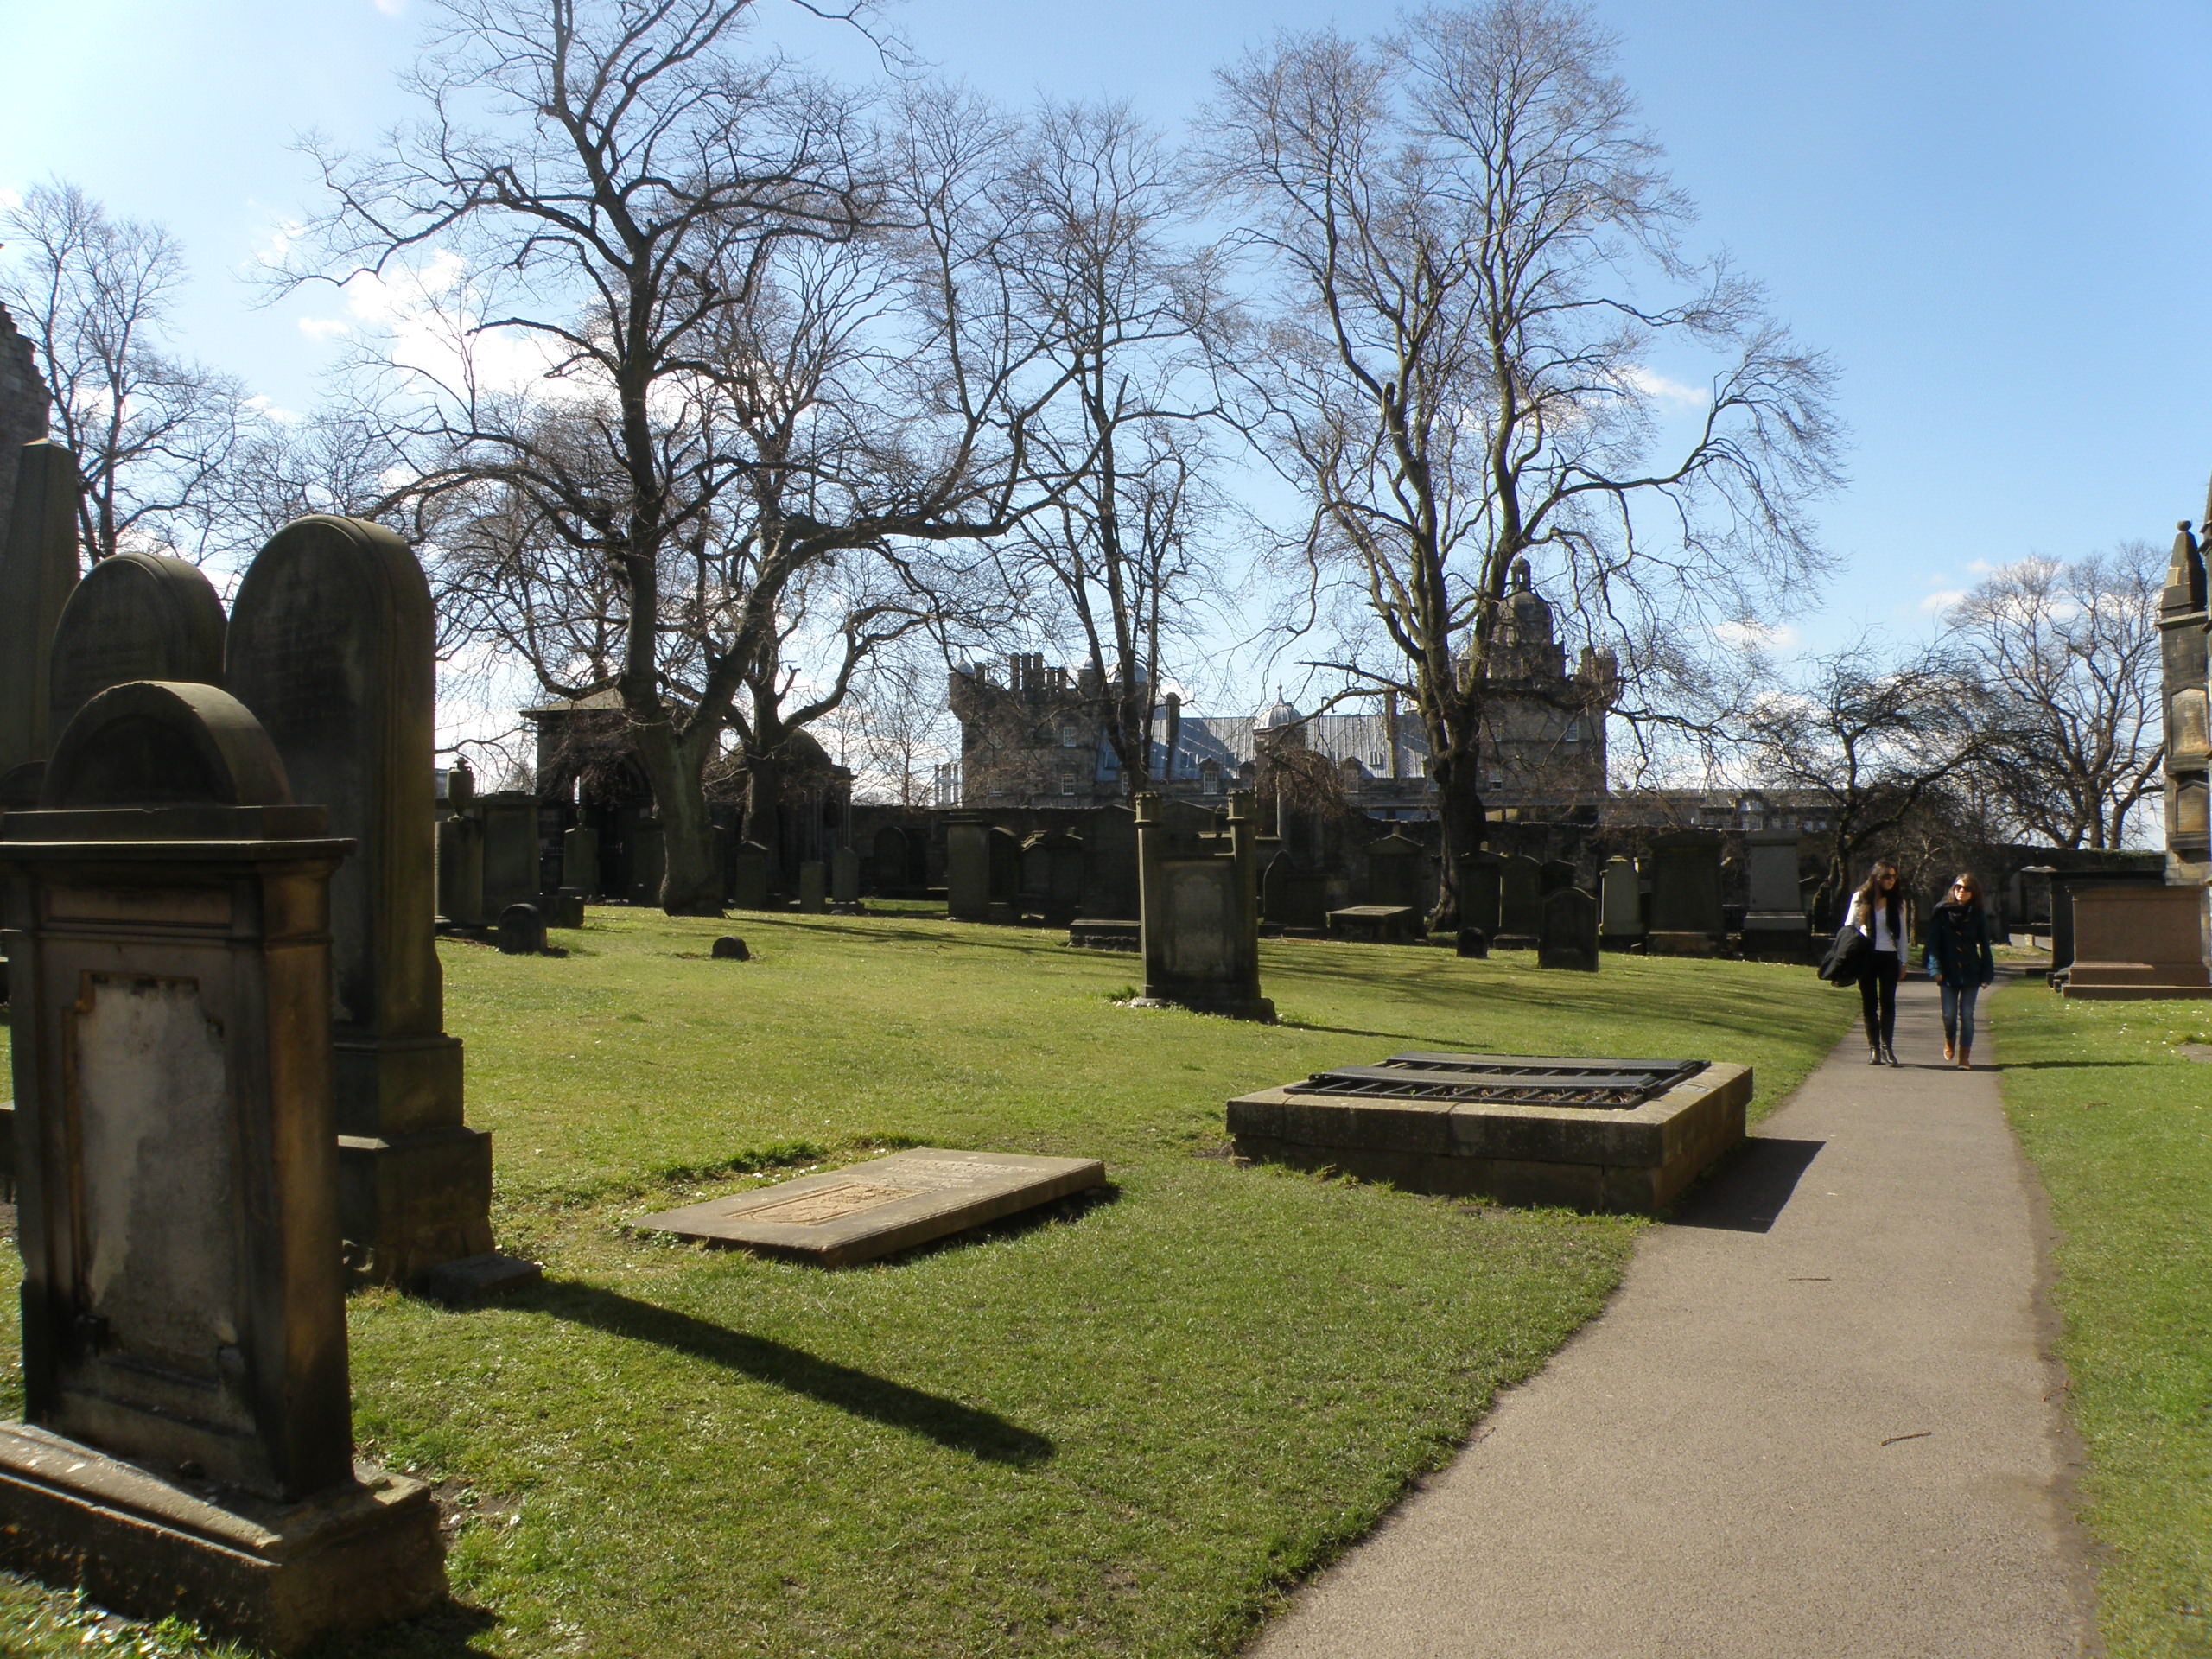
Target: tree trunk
{"x": 691, "y": 882}
{"x": 764, "y": 808}
{"x": 1459, "y": 814}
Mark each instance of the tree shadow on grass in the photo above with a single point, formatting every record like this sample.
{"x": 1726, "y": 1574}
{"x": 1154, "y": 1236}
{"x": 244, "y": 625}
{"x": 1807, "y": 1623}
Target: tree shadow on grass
{"x": 2067, "y": 1066}
{"x": 449, "y": 1631}
{"x": 956, "y": 1426}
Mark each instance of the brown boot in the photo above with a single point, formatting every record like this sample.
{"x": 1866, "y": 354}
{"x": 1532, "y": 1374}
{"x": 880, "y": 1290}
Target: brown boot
{"x": 1965, "y": 1059}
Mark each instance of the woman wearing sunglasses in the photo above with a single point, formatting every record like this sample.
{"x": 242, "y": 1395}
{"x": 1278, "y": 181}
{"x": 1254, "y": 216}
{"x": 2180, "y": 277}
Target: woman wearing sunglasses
{"x": 1958, "y": 961}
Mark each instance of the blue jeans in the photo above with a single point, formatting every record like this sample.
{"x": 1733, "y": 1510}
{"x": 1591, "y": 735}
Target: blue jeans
{"x": 1958, "y": 1014}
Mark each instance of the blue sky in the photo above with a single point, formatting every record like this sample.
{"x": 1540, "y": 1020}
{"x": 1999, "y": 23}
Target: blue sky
{"x": 1994, "y": 216}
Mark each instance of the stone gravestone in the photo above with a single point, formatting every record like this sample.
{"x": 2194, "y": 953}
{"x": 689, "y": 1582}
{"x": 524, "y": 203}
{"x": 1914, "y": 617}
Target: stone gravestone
{"x": 512, "y": 873}
{"x": 813, "y": 886}
{"x": 730, "y": 948}
{"x": 136, "y": 616}
{"x": 1775, "y": 929}
{"x": 845, "y": 876}
{"x": 522, "y": 931}
{"x": 1109, "y": 865}
{"x": 968, "y": 866}
{"x": 1520, "y": 903}
{"x": 1481, "y": 894}
{"x": 38, "y": 568}
{"x": 1199, "y": 906}
{"x": 1052, "y": 876}
{"x": 1002, "y": 850}
{"x": 1570, "y": 935}
{"x": 579, "y": 860}
{"x": 1620, "y": 903}
{"x": 461, "y": 870}
{"x": 892, "y": 879}
{"x": 331, "y": 645}
{"x": 748, "y": 876}
{"x": 1685, "y": 917}
{"x": 188, "y": 1447}
{"x": 1293, "y": 899}
{"x": 1396, "y": 865}
{"x": 1552, "y": 874}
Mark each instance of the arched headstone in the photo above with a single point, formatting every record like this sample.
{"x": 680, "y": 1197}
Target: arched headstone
{"x": 136, "y": 616}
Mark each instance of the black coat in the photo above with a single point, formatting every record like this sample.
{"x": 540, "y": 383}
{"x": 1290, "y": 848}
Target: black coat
{"x": 1958, "y": 945}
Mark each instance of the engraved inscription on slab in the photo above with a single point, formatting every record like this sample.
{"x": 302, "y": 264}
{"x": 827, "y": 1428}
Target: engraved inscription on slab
{"x": 881, "y": 1206}
{"x": 830, "y": 1203}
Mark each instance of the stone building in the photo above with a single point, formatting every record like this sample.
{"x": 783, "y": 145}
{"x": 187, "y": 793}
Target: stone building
{"x": 23, "y": 406}
{"x": 1036, "y": 737}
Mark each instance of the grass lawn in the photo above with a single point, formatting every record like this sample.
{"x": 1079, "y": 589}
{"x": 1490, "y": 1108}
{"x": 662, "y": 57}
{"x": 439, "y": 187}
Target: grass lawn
{"x": 1122, "y": 1428}
{"x": 2120, "y": 1123}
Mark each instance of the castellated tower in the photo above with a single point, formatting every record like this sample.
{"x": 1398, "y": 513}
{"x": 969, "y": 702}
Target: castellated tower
{"x": 2182, "y": 621}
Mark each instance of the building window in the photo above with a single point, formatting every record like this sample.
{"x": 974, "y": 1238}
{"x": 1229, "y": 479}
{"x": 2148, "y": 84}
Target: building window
{"x": 1210, "y": 778}
{"x": 1378, "y": 762}
{"x": 1067, "y": 780}
{"x": 1069, "y": 737}
{"x": 1575, "y": 731}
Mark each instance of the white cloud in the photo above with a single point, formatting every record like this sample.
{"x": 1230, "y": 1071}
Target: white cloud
{"x": 324, "y": 327}
{"x": 1652, "y": 384}
{"x": 1980, "y": 568}
{"x": 1936, "y": 603}
{"x": 9, "y": 199}
{"x": 390, "y": 8}
{"x": 1749, "y": 636}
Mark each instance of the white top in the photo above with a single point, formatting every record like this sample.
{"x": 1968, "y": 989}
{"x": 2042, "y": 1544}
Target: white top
{"x": 1883, "y": 938}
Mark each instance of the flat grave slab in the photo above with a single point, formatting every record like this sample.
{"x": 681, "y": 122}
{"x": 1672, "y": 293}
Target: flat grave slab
{"x": 1596, "y": 1135}
{"x": 866, "y": 1211}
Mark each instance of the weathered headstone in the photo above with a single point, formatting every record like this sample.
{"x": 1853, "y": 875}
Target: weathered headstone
{"x": 1109, "y": 865}
{"x": 1570, "y": 935}
{"x": 1775, "y": 928}
{"x": 579, "y": 860}
{"x": 135, "y": 616}
{"x": 1686, "y": 915}
{"x": 813, "y": 886}
{"x": 845, "y": 876}
{"x": 730, "y": 948}
{"x": 968, "y": 866}
{"x": 563, "y": 908}
{"x": 871, "y": 1210}
{"x": 1520, "y": 904}
{"x": 1052, "y": 876}
{"x": 1620, "y": 902}
{"x": 1293, "y": 899}
{"x": 461, "y": 870}
{"x": 331, "y": 644}
{"x": 513, "y": 873}
{"x": 189, "y": 1448}
{"x": 1552, "y": 874}
{"x": 522, "y": 931}
{"x": 38, "y": 568}
{"x": 748, "y": 876}
{"x": 1198, "y": 905}
{"x": 1481, "y": 894}
{"x": 891, "y": 874}
{"x": 1395, "y": 866}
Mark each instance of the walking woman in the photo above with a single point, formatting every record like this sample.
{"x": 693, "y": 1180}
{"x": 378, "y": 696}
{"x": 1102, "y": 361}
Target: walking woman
{"x": 1877, "y": 910}
{"x": 1958, "y": 961}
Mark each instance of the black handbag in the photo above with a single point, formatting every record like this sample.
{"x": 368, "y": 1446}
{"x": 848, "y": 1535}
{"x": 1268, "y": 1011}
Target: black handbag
{"x": 1847, "y": 957}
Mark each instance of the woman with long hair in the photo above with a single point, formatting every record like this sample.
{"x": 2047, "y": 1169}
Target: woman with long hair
{"x": 1958, "y": 961}
{"x": 1877, "y": 910}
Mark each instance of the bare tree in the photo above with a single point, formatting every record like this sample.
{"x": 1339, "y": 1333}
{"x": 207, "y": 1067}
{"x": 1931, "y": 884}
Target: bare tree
{"x": 153, "y": 431}
{"x": 1479, "y": 269}
{"x": 1878, "y": 740}
{"x": 2070, "y": 650}
{"x": 1122, "y": 556}
{"x": 896, "y": 726}
{"x": 610, "y": 187}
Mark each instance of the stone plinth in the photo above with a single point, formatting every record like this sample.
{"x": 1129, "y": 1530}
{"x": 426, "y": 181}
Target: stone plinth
{"x": 1376, "y": 923}
{"x": 331, "y": 644}
{"x": 2138, "y": 941}
{"x": 1634, "y": 1160}
{"x": 872, "y": 1210}
{"x": 178, "y": 1192}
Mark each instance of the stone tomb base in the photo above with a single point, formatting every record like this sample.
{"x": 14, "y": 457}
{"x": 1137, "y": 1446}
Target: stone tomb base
{"x": 1631, "y": 1160}
{"x": 1376, "y": 923}
{"x": 869, "y": 1209}
{"x": 2138, "y": 941}
{"x": 1096, "y": 935}
{"x": 1660, "y": 943}
{"x": 277, "y": 1575}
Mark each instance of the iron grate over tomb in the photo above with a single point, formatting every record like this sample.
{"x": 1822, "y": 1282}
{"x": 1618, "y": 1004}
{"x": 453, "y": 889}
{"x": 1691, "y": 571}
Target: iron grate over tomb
{"x": 1507, "y": 1080}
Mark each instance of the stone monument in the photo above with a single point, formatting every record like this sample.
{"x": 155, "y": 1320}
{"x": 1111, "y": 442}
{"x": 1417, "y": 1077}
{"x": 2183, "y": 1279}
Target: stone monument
{"x": 38, "y": 568}
{"x": 845, "y": 876}
{"x": 1396, "y": 865}
{"x": 331, "y": 646}
{"x": 1052, "y": 876}
{"x": 1481, "y": 893}
{"x": 2182, "y": 619}
{"x": 1775, "y": 928}
{"x": 1197, "y": 900}
{"x": 1685, "y": 917}
{"x": 579, "y": 860}
{"x": 136, "y": 616}
{"x": 813, "y": 886}
{"x": 1570, "y": 935}
{"x": 188, "y": 1441}
{"x": 2134, "y": 940}
{"x": 513, "y": 867}
{"x": 1620, "y": 904}
{"x": 1520, "y": 903}
{"x": 748, "y": 876}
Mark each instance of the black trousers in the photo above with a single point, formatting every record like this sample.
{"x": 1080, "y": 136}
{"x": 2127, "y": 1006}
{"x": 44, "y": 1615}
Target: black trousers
{"x": 1877, "y": 995}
